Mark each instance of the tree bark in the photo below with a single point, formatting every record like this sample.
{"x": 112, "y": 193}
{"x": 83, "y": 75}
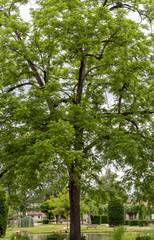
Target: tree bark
{"x": 74, "y": 194}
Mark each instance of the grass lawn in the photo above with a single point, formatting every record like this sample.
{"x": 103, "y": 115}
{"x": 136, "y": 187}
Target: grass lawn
{"x": 49, "y": 228}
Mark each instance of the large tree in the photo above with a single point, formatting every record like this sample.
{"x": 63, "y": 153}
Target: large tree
{"x": 75, "y": 92}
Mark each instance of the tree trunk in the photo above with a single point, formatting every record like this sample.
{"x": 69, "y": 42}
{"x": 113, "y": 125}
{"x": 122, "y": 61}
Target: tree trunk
{"x": 74, "y": 194}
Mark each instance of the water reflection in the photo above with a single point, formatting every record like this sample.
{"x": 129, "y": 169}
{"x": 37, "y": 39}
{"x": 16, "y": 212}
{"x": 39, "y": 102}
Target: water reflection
{"x": 88, "y": 237}
{"x": 97, "y": 237}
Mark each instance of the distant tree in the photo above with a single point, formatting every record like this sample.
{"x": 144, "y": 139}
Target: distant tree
{"x": 60, "y": 205}
{"x": 47, "y": 209}
{"x": 106, "y": 187}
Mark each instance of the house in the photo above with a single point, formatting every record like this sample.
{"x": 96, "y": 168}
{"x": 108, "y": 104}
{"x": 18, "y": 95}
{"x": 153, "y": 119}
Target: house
{"x": 37, "y": 216}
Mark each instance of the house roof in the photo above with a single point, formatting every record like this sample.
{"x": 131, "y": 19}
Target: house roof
{"x": 35, "y": 213}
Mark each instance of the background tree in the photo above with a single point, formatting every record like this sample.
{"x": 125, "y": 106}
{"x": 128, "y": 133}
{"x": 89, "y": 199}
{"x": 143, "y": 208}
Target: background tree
{"x": 57, "y": 77}
{"x": 46, "y": 208}
{"x": 60, "y": 205}
{"x": 106, "y": 187}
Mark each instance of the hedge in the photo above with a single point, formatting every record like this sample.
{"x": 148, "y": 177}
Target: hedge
{"x": 115, "y": 212}
{"x": 136, "y": 222}
{"x": 95, "y": 219}
{"x": 3, "y": 212}
{"x": 45, "y": 221}
{"x": 142, "y": 223}
{"x": 103, "y": 219}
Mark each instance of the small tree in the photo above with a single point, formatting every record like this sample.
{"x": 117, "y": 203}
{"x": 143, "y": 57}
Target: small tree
{"x": 46, "y": 208}
{"x": 115, "y": 212}
{"x": 3, "y": 212}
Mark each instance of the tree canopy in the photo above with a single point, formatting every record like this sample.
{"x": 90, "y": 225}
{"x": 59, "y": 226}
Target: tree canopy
{"x": 75, "y": 93}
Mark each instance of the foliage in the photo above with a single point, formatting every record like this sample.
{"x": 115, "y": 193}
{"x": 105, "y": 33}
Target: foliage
{"x": 95, "y": 219}
{"x": 25, "y": 222}
{"x": 58, "y": 76}
{"x": 139, "y": 209}
{"x": 19, "y": 236}
{"x": 106, "y": 187}
{"x": 131, "y": 208}
{"x": 3, "y": 212}
{"x": 115, "y": 212}
{"x": 144, "y": 237}
{"x": 92, "y": 206}
{"x": 103, "y": 209}
{"x": 118, "y": 233}
{"x": 56, "y": 236}
{"x": 131, "y": 222}
{"x": 60, "y": 204}
{"x": 21, "y": 201}
{"x": 46, "y": 208}
{"x": 103, "y": 219}
{"x": 45, "y": 221}
{"x": 142, "y": 223}
{"x": 137, "y": 222}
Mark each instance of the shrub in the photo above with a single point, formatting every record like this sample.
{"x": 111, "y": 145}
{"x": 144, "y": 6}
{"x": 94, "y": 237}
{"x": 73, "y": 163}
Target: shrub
{"x": 143, "y": 237}
{"x": 56, "y": 236}
{"x": 52, "y": 220}
{"x": 39, "y": 221}
{"x": 3, "y": 212}
{"x": 19, "y": 236}
{"x": 126, "y": 222}
{"x": 25, "y": 222}
{"x": 132, "y": 222}
{"x": 45, "y": 221}
{"x": 151, "y": 221}
{"x": 115, "y": 212}
{"x": 118, "y": 233}
{"x": 95, "y": 219}
{"x": 103, "y": 219}
{"x": 142, "y": 223}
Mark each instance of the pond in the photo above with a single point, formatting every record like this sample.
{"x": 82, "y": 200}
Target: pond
{"x": 88, "y": 237}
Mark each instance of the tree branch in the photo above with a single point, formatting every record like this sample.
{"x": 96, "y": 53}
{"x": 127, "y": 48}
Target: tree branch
{"x": 105, "y": 2}
{"x": 91, "y": 145}
{"x": 107, "y": 41}
{"x": 133, "y": 122}
{"x": 81, "y": 80}
{"x": 121, "y": 5}
{"x": 20, "y": 85}
{"x": 90, "y": 70}
{"x": 129, "y": 113}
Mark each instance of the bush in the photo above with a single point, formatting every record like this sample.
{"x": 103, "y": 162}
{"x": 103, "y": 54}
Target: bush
{"x": 136, "y": 222}
{"x": 150, "y": 221}
{"x": 142, "y": 223}
{"x": 56, "y": 236}
{"x": 126, "y": 222}
{"x": 39, "y": 221}
{"x": 118, "y": 233}
{"x": 45, "y": 221}
{"x": 95, "y": 219}
{"x": 103, "y": 219}
{"x": 115, "y": 212}
{"x": 132, "y": 222}
{"x": 19, "y": 236}
{"x": 52, "y": 220}
{"x": 3, "y": 212}
{"x": 25, "y": 222}
{"x": 143, "y": 237}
